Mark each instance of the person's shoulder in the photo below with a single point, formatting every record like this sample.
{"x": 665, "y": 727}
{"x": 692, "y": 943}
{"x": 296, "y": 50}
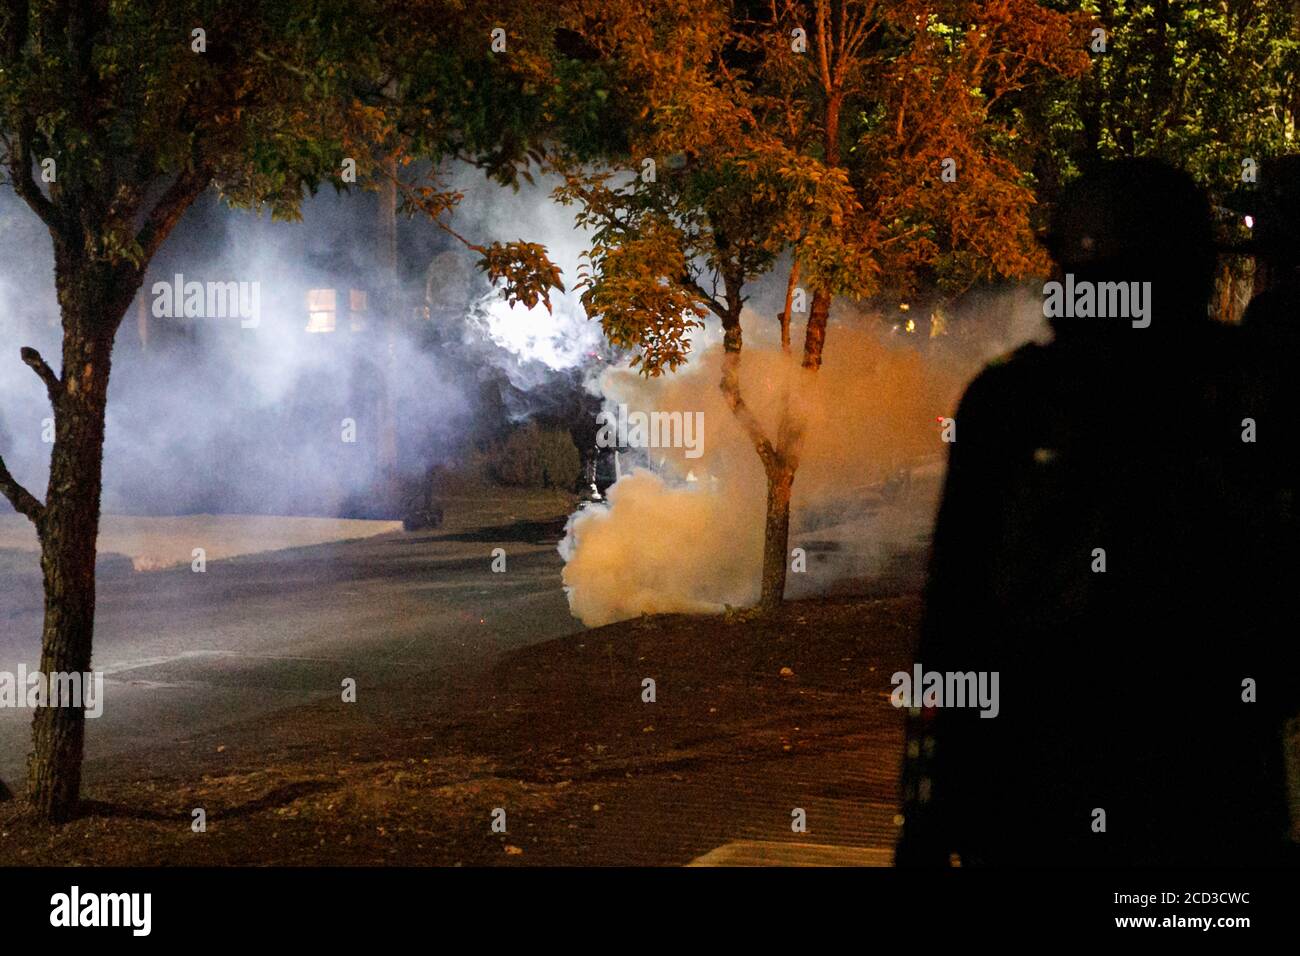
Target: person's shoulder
{"x": 1023, "y": 358}
{"x": 995, "y": 400}
{"x": 1011, "y": 373}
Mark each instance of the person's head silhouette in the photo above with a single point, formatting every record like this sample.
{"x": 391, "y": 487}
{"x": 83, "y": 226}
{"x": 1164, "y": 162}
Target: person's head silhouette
{"x": 1136, "y": 221}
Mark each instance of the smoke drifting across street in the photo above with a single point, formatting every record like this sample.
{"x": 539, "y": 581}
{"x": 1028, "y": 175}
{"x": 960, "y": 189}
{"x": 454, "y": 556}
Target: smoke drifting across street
{"x": 243, "y": 410}
{"x": 254, "y": 411}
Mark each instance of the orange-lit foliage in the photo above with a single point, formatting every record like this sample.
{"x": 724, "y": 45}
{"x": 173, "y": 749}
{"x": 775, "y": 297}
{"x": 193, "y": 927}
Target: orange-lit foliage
{"x": 819, "y": 129}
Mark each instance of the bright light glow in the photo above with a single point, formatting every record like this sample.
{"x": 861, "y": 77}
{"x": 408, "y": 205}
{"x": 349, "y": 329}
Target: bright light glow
{"x": 559, "y": 339}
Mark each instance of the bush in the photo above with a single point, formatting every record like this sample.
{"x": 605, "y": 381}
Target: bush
{"x": 536, "y": 457}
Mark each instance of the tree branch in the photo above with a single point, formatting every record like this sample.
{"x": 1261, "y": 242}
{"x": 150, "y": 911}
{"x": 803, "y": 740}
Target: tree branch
{"x": 19, "y": 158}
{"x": 435, "y": 214}
{"x": 184, "y": 189}
{"x": 730, "y": 385}
{"x": 18, "y": 152}
{"x": 53, "y": 383}
{"x": 715, "y": 305}
{"x": 784, "y": 317}
{"x": 24, "y": 501}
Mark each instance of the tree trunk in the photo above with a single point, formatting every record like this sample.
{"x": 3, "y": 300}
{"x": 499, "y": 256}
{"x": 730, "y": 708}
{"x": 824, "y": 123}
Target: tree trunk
{"x": 791, "y": 284}
{"x": 776, "y": 535}
{"x": 815, "y": 337}
{"x": 68, "y": 531}
{"x": 385, "y": 318}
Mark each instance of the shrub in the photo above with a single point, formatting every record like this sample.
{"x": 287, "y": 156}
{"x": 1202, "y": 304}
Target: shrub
{"x": 535, "y": 457}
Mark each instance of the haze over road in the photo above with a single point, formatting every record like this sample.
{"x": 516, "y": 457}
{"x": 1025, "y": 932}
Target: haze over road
{"x": 184, "y": 652}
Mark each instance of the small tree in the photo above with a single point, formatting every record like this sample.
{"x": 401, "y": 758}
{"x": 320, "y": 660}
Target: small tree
{"x": 820, "y": 130}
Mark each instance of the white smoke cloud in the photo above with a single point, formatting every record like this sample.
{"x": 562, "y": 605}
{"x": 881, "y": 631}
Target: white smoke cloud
{"x": 214, "y": 417}
{"x": 211, "y": 416}
{"x": 538, "y": 340}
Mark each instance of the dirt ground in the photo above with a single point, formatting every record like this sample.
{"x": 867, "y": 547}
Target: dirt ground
{"x": 754, "y": 717}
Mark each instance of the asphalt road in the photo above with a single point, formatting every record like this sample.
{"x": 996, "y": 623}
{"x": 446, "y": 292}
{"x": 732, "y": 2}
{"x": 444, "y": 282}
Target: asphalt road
{"x": 184, "y": 652}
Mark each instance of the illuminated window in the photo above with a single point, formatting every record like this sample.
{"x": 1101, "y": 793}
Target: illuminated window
{"x": 322, "y": 310}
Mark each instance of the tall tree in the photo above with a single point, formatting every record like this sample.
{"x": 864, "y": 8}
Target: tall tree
{"x": 130, "y": 111}
{"x": 1211, "y": 86}
{"x": 1202, "y": 84}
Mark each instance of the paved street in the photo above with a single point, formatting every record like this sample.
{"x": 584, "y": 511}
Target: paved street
{"x": 184, "y": 652}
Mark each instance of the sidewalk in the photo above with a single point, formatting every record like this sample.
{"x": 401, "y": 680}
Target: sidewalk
{"x": 754, "y": 719}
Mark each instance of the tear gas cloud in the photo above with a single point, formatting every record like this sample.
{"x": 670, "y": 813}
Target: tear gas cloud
{"x": 687, "y": 534}
{"x": 539, "y": 340}
{"x": 225, "y": 415}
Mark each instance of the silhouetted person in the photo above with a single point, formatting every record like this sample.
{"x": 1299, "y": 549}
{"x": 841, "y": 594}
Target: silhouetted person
{"x": 1090, "y": 549}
